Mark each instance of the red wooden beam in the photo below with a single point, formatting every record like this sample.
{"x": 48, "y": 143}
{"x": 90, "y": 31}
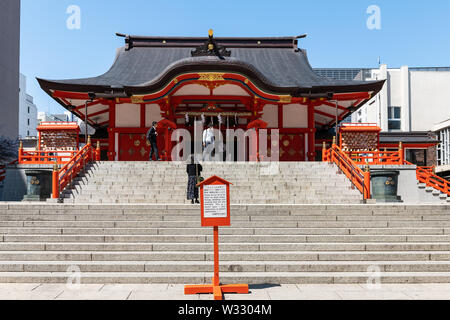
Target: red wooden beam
{"x": 352, "y": 96}
{"x": 330, "y": 104}
{"x": 90, "y": 104}
{"x": 70, "y": 95}
{"x": 205, "y": 98}
{"x": 328, "y": 115}
{"x": 99, "y": 112}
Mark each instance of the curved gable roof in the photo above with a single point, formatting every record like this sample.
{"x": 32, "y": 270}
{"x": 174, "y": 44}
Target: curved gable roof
{"x": 147, "y": 63}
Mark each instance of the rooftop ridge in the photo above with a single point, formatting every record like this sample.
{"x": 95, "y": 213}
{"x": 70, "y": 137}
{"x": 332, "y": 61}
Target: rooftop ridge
{"x": 230, "y": 42}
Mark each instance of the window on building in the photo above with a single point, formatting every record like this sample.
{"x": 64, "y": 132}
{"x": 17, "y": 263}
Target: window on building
{"x": 28, "y": 109}
{"x": 417, "y": 156}
{"x": 28, "y": 133}
{"x": 443, "y": 148}
{"x": 394, "y": 118}
{"x": 28, "y": 121}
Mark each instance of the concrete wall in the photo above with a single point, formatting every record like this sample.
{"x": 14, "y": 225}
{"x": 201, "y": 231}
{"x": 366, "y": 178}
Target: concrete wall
{"x": 9, "y": 67}
{"x": 429, "y": 102}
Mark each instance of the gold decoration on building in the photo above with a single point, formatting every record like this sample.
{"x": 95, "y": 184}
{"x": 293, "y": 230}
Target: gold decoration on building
{"x": 137, "y": 143}
{"x": 211, "y": 85}
{"x": 286, "y": 99}
{"x": 246, "y": 81}
{"x": 175, "y": 81}
{"x": 34, "y": 181}
{"x": 137, "y": 99}
{"x": 211, "y": 76}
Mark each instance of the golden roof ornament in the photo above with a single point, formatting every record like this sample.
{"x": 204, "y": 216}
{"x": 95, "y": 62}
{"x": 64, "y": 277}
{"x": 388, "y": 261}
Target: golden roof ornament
{"x": 211, "y": 48}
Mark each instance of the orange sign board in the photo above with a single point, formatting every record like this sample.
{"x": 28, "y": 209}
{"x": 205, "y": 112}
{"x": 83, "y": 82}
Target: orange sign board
{"x": 215, "y": 202}
{"x": 215, "y": 211}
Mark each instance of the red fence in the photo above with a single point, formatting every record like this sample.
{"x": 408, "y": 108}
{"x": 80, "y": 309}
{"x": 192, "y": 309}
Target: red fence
{"x": 376, "y": 157}
{"x": 348, "y": 162}
{"x": 359, "y": 178}
{"x": 45, "y": 157}
{"x": 62, "y": 178}
{"x": 427, "y": 176}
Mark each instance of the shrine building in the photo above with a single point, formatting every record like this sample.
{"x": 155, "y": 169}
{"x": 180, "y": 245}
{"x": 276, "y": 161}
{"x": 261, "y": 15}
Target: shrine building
{"x": 229, "y": 81}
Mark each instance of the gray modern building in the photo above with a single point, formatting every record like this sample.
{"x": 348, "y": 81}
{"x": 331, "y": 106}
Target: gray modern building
{"x": 9, "y": 67}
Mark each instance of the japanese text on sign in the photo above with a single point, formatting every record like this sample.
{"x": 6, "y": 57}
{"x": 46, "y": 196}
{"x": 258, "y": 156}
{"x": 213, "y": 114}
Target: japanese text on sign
{"x": 215, "y": 201}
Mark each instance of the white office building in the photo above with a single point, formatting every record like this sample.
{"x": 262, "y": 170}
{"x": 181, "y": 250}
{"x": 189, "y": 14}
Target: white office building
{"x": 413, "y": 99}
{"x": 443, "y": 150}
{"x": 27, "y": 111}
{"x": 64, "y": 117}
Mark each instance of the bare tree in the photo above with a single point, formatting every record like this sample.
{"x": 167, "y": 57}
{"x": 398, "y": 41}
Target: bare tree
{"x": 8, "y": 149}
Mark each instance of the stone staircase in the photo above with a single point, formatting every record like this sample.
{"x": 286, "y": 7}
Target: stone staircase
{"x": 165, "y": 182}
{"x": 431, "y": 195}
{"x": 164, "y": 243}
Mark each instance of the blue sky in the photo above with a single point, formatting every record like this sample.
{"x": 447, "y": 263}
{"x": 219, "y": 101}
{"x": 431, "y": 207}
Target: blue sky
{"x": 414, "y": 33}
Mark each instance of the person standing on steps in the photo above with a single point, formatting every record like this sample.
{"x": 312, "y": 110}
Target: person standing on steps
{"x": 151, "y": 137}
{"x": 208, "y": 138}
{"x": 193, "y": 169}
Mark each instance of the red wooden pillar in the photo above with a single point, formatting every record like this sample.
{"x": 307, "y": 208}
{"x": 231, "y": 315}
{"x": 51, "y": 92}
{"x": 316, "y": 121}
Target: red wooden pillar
{"x": 311, "y": 133}
{"x": 55, "y": 181}
{"x": 142, "y": 124}
{"x": 166, "y": 144}
{"x": 111, "y": 131}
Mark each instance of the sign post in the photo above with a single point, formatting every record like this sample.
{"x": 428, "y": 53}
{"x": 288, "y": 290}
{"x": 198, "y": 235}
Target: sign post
{"x": 215, "y": 212}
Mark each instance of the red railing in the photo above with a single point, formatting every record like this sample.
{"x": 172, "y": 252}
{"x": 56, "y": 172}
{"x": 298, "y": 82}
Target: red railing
{"x": 427, "y": 176}
{"x": 355, "y": 158}
{"x": 63, "y": 177}
{"x": 3, "y": 170}
{"x": 359, "y": 178}
{"x": 376, "y": 157}
{"x": 45, "y": 157}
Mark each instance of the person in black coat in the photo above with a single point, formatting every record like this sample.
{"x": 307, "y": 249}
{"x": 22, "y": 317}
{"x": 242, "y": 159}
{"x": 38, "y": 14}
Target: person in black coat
{"x": 151, "y": 137}
{"x": 193, "y": 169}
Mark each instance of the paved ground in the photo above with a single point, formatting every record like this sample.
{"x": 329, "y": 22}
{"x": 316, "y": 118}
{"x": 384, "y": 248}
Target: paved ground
{"x": 258, "y": 292}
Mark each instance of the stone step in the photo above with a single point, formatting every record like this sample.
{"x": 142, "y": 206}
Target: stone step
{"x": 225, "y": 256}
{"x": 413, "y": 233}
{"x": 195, "y": 216}
{"x": 224, "y": 247}
{"x": 234, "y": 224}
{"x": 226, "y": 266}
{"x": 227, "y": 277}
{"x": 111, "y": 238}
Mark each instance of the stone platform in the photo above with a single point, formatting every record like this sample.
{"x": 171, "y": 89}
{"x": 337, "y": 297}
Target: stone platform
{"x": 274, "y": 244}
